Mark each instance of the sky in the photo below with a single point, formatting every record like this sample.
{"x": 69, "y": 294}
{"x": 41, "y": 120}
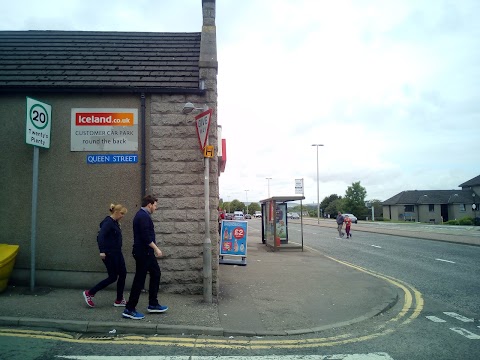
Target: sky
{"x": 389, "y": 88}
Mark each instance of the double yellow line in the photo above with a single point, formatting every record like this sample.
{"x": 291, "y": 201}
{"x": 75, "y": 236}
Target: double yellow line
{"x": 412, "y": 307}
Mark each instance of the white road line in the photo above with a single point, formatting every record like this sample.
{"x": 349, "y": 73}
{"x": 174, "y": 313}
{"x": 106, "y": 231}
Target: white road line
{"x": 459, "y": 317}
{"x": 376, "y": 246}
{"x": 435, "y": 319}
{"x": 451, "y": 262}
{"x": 466, "y": 333}
{"x": 370, "y": 356}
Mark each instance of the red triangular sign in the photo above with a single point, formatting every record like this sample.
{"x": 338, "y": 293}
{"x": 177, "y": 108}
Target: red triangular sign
{"x": 202, "y": 121}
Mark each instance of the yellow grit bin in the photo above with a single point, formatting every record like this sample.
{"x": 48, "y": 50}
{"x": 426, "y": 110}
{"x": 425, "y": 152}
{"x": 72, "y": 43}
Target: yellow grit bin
{"x": 8, "y": 253}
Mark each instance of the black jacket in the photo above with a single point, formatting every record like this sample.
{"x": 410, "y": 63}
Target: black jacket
{"x": 109, "y": 236}
{"x": 143, "y": 231}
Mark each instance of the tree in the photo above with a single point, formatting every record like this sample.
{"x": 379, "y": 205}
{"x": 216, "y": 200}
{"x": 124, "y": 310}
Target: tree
{"x": 327, "y": 201}
{"x": 252, "y": 207}
{"x": 236, "y": 205}
{"x": 354, "y": 201}
{"x": 378, "y": 209}
{"x": 334, "y": 207}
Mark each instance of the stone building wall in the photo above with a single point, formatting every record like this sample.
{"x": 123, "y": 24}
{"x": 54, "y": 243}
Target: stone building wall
{"x": 177, "y": 179}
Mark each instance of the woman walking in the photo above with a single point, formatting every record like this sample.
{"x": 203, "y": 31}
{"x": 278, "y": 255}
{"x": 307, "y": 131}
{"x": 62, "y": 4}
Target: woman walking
{"x": 110, "y": 244}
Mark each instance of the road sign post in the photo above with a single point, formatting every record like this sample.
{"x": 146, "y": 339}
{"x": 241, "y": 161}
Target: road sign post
{"x": 299, "y": 190}
{"x": 202, "y": 123}
{"x": 38, "y": 127}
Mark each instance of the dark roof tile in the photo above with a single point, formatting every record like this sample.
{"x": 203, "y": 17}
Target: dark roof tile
{"x": 472, "y": 182}
{"x": 65, "y": 59}
{"x": 417, "y": 197}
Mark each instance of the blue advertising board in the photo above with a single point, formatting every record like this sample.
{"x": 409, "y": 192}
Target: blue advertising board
{"x": 233, "y": 241}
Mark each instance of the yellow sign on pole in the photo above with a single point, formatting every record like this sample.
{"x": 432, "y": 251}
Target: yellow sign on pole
{"x": 208, "y": 151}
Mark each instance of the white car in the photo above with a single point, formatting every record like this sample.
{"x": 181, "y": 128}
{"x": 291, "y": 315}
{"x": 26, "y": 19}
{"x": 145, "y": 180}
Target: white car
{"x": 294, "y": 216}
{"x": 352, "y": 217}
{"x": 258, "y": 214}
{"x": 238, "y": 215}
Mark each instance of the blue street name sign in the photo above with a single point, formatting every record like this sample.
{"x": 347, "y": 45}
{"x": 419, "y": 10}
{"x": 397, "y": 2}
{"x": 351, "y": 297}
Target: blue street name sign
{"x": 112, "y": 159}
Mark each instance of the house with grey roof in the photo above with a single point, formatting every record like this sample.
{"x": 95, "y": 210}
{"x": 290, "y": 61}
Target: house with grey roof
{"x": 117, "y": 132}
{"x": 435, "y": 206}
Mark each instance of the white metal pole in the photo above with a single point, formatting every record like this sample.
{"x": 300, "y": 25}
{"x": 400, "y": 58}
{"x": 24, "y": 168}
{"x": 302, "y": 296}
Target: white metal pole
{"x": 207, "y": 244}
{"x": 318, "y": 187}
{"x": 34, "y": 217}
{"x": 318, "y": 194}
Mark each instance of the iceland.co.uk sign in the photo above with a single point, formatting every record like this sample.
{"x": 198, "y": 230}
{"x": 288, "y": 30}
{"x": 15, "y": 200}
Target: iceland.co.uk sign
{"x": 102, "y": 119}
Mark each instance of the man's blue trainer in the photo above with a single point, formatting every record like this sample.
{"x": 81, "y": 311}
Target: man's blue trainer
{"x": 132, "y": 314}
{"x": 157, "y": 308}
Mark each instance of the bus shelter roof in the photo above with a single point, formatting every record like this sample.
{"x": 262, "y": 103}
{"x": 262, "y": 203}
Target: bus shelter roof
{"x": 283, "y": 199}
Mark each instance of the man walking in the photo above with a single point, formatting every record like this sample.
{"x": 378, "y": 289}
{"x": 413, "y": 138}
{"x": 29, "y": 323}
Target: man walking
{"x": 145, "y": 251}
{"x": 340, "y": 220}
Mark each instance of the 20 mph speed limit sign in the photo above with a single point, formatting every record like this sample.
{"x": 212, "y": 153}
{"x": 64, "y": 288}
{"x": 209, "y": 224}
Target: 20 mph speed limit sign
{"x": 39, "y": 121}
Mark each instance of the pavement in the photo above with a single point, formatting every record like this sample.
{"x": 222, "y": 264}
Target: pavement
{"x": 276, "y": 293}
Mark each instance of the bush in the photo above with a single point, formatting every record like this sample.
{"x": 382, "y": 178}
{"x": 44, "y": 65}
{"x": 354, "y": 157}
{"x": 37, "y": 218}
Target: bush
{"x": 466, "y": 221}
{"x": 463, "y": 221}
{"x": 452, "y": 222}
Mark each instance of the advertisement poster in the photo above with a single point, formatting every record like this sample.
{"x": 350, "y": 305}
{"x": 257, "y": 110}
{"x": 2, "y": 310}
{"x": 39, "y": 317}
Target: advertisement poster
{"x": 233, "y": 239}
{"x": 281, "y": 221}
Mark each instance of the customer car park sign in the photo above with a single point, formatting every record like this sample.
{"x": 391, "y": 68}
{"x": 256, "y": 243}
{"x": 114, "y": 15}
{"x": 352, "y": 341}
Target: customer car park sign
{"x": 39, "y": 123}
{"x": 104, "y": 129}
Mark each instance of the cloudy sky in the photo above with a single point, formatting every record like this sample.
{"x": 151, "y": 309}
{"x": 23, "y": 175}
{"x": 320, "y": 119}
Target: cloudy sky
{"x": 389, "y": 87}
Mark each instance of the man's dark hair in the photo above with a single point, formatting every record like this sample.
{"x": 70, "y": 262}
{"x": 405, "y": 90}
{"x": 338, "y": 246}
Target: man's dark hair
{"x": 149, "y": 199}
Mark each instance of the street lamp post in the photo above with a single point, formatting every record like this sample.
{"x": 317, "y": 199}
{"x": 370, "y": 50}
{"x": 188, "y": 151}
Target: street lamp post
{"x": 268, "y": 186}
{"x": 246, "y": 196}
{"x": 318, "y": 192}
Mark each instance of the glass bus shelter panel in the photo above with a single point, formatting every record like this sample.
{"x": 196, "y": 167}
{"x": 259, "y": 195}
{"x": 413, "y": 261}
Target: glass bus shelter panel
{"x": 281, "y": 226}
{"x": 268, "y": 222}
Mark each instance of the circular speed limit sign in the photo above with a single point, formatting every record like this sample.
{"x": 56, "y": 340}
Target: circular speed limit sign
{"x": 39, "y": 123}
{"x": 39, "y": 116}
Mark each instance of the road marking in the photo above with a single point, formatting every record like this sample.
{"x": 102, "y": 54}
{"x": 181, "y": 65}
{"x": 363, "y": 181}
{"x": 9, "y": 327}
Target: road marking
{"x": 369, "y": 356}
{"x": 451, "y": 262}
{"x": 412, "y": 307}
{"x": 376, "y": 246}
{"x": 466, "y": 333}
{"x": 435, "y": 319}
{"x": 459, "y": 317}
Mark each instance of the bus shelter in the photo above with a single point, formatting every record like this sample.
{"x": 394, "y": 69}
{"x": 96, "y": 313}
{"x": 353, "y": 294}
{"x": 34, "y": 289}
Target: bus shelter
{"x": 275, "y": 230}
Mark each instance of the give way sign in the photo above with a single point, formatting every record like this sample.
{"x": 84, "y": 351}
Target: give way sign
{"x": 202, "y": 121}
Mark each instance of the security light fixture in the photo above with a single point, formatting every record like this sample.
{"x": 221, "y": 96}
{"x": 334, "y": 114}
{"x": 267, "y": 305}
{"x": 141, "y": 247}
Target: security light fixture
{"x": 189, "y": 107}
